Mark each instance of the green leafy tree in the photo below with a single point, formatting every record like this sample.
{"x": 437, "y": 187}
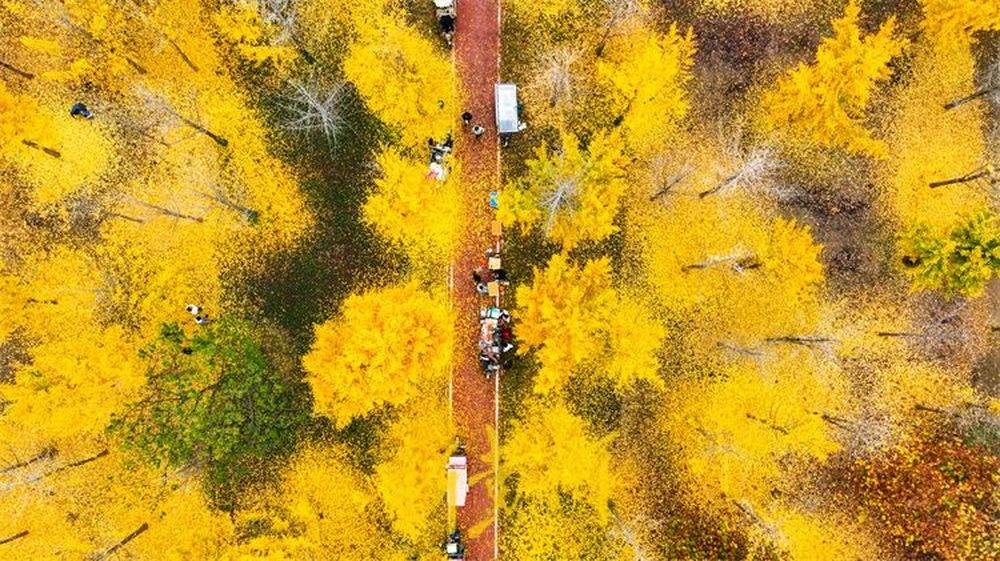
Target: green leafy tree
{"x": 214, "y": 400}
{"x": 960, "y": 261}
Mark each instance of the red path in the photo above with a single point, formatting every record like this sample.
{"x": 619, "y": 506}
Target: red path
{"x": 477, "y": 47}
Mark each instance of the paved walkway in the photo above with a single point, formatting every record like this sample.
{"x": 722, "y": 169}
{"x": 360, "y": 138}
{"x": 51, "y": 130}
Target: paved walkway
{"x": 477, "y": 47}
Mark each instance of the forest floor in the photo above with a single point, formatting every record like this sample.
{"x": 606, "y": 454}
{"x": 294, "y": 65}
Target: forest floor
{"x": 477, "y": 45}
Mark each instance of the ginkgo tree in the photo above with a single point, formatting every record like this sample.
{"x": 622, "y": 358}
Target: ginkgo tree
{"x": 413, "y": 209}
{"x": 575, "y": 321}
{"x": 402, "y": 79}
{"x": 825, "y": 102}
{"x": 384, "y": 348}
{"x": 571, "y": 193}
{"x": 643, "y": 78}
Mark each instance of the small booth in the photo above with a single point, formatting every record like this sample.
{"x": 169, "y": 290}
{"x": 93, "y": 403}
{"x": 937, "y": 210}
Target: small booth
{"x": 507, "y": 112}
{"x": 458, "y": 478}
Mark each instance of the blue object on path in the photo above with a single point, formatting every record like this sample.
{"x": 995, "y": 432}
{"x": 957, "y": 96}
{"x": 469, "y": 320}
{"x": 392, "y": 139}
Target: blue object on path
{"x": 494, "y": 199}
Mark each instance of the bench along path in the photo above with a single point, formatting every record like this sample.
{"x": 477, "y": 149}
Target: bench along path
{"x": 474, "y": 398}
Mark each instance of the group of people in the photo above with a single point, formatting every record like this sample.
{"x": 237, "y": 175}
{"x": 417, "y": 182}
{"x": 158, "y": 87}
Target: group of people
{"x": 200, "y": 317}
{"x": 496, "y": 331}
{"x": 496, "y": 339}
{"x": 436, "y": 167}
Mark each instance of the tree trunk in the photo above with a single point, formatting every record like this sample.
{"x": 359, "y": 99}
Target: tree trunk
{"x": 805, "y": 340}
{"x": 745, "y": 351}
{"x": 835, "y": 421}
{"x": 671, "y": 183}
{"x": 767, "y": 424}
{"x": 605, "y": 36}
{"x": 126, "y": 217}
{"x": 218, "y": 139}
{"x": 182, "y": 54}
{"x": 168, "y": 212}
{"x": 45, "y": 454}
{"x": 963, "y": 100}
{"x": 897, "y": 334}
{"x": 921, "y": 407}
{"x": 722, "y": 185}
{"x": 250, "y": 214}
{"x": 16, "y": 536}
{"x": 36, "y": 146}
{"x": 133, "y": 535}
{"x": 962, "y": 179}
{"x": 22, "y": 73}
{"x": 739, "y": 264}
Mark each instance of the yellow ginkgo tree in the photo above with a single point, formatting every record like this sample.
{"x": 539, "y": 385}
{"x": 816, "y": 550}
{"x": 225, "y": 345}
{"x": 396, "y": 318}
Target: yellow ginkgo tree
{"x": 402, "y": 79}
{"x": 385, "y": 347}
{"x": 574, "y": 319}
{"x": 413, "y": 209}
{"x": 825, "y": 102}
{"x": 571, "y": 193}
{"x": 644, "y": 75}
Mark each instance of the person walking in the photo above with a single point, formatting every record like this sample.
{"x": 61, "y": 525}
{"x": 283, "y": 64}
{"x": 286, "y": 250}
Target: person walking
{"x": 466, "y": 119}
{"x": 478, "y": 131}
{"x": 80, "y": 109}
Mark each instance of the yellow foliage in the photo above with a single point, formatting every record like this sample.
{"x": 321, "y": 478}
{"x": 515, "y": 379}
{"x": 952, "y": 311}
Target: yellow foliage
{"x": 413, "y": 210}
{"x": 320, "y": 511}
{"x": 543, "y": 529}
{"x": 58, "y": 154}
{"x": 954, "y": 21}
{"x": 634, "y": 338}
{"x": 573, "y": 194}
{"x": 825, "y": 102}
{"x": 410, "y": 480}
{"x": 645, "y": 74}
{"x": 386, "y": 347}
{"x": 41, "y": 45}
{"x": 572, "y": 316}
{"x": 552, "y": 451}
{"x": 818, "y": 537}
{"x": 734, "y": 274}
{"x": 403, "y": 80}
{"x": 738, "y": 431}
{"x": 928, "y": 143}
{"x": 256, "y": 38}
{"x": 81, "y": 511}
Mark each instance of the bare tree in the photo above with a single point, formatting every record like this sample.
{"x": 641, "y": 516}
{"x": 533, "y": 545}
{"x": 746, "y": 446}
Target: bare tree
{"x": 159, "y": 104}
{"x": 627, "y": 532}
{"x": 619, "y": 11}
{"x": 563, "y": 195}
{"x": 314, "y": 107}
{"x": 554, "y": 76}
{"x": 22, "y": 73}
{"x": 219, "y": 195}
{"x": 664, "y": 188}
{"x": 738, "y": 261}
{"x": 989, "y": 90}
{"x": 752, "y": 165}
{"x": 282, "y": 15}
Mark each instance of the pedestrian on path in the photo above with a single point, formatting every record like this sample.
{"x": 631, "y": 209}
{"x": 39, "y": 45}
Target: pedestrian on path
{"x": 80, "y": 109}
{"x": 466, "y": 119}
{"x": 478, "y": 131}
